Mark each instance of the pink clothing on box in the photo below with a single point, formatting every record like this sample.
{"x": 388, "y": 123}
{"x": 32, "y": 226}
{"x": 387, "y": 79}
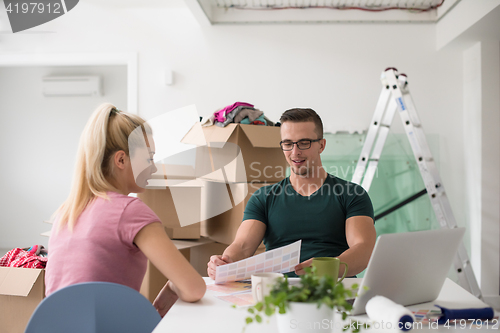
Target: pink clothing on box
{"x": 220, "y": 115}
{"x": 101, "y": 246}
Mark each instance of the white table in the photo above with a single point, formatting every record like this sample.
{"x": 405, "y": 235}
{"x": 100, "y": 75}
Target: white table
{"x": 211, "y": 314}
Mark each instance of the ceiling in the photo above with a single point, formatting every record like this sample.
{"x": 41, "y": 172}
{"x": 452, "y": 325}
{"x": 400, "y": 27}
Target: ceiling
{"x": 319, "y": 11}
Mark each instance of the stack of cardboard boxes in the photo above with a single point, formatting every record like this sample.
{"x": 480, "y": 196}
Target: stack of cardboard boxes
{"x": 236, "y": 161}
{"x": 256, "y": 161}
{"x": 230, "y": 164}
{"x": 175, "y": 195}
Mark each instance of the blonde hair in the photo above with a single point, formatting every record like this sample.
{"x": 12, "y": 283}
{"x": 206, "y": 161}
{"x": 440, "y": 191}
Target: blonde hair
{"x": 105, "y": 133}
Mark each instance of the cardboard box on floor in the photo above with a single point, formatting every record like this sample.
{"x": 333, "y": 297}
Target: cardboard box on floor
{"x": 246, "y": 153}
{"x": 223, "y": 208}
{"x": 154, "y": 280}
{"x": 197, "y": 252}
{"x": 21, "y": 290}
{"x": 175, "y": 202}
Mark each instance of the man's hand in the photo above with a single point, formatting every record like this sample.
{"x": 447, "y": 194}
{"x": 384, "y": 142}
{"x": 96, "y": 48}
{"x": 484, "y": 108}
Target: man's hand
{"x": 299, "y": 269}
{"x": 165, "y": 299}
{"x": 247, "y": 240}
{"x": 216, "y": 261}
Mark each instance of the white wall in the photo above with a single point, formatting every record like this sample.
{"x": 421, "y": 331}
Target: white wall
{"x": 38, "y": 145}
{"x": 334, "y": 69}
{"x": 472, "y": 148}
{"x": 482, "y": 139}
{"x": 490, "y": 182}
{"x": 464, "y": 15}
{"x": 479, "y": 41}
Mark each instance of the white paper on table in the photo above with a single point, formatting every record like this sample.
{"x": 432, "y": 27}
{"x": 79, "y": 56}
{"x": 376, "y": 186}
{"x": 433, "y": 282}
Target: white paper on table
{"x": 280, "y": 260}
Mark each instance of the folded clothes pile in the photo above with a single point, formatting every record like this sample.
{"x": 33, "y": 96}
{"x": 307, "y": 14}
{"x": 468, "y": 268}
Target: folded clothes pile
{"x": 239, "y": 112}
{"x": 33, "y": 257}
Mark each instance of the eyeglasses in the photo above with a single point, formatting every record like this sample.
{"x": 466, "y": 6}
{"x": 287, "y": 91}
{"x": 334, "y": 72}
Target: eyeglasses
{"x": 301, "y": 144}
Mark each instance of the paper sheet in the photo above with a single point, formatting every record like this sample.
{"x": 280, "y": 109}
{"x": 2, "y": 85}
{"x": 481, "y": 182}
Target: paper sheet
{"x": 238, "y": 293}
{"x": 231, "y": 287}
{"x": 243, "y": 299}
{"x": 281, "y": 260}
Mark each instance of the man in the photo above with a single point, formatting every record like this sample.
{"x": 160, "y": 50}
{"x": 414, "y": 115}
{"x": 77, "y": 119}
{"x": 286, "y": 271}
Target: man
{"x": 333, "y": 217}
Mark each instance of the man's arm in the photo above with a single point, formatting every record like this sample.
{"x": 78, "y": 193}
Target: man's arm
{"x": 361, "y": 236}
{"x": 247, "y": 240}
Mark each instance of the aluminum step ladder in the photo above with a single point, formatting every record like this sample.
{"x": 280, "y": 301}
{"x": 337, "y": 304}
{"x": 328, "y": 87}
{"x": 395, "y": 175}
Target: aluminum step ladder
{"x": 395, "y": 95}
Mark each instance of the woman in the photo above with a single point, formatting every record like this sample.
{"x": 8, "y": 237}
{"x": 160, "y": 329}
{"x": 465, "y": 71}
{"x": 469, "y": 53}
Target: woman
{"x": 102, "y": 234}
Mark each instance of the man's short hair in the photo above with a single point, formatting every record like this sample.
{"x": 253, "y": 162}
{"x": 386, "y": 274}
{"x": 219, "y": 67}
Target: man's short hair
{"x": 303, "y": 115}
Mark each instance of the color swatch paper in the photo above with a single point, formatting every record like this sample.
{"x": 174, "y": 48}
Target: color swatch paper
{"x": 281, "y": 260}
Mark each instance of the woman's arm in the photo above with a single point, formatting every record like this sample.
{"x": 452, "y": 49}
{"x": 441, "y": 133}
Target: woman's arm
{"x": 184, "y": 280}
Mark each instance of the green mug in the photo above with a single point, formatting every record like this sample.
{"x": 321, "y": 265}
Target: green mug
{"x": 329, "y": 266}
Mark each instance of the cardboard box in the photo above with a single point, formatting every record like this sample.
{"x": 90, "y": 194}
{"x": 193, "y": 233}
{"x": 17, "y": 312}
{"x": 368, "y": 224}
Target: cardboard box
{"x": 217, "y": 248}
{"x": 178, "y": 205}
{"x": 154, "y": 280}
{"x": 238, "y": 153}
{"x": 200, "y": 256}
{"x": 21, "y": 290}
{"x": 219, "y": 223}
{"x": 173, "y": 171}
{"x": 260, "y": 249}
{"x": 197, "y": 252}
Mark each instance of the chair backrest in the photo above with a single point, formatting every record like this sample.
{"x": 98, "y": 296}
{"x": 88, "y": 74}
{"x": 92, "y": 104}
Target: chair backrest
{"x": 94, "y": 307}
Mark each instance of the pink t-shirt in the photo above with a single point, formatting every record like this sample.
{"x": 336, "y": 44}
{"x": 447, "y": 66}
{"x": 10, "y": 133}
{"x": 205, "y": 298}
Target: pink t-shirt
{"x": 100, "y": 247}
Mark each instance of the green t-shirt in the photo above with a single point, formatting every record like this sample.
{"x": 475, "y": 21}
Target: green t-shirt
{"x": 319, "y": 219}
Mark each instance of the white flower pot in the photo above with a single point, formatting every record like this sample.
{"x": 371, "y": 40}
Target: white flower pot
{"x": 306, "y": 318}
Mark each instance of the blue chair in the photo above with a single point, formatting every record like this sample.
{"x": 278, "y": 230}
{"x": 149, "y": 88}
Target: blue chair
{"x": 94, "y": 307}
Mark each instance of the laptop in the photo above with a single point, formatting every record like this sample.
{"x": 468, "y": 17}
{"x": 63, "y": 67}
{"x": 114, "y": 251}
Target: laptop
{"x": 408, "y": 268}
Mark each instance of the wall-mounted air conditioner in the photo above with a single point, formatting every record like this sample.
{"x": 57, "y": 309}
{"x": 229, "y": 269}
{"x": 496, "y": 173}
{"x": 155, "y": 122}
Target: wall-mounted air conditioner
{"x": 54, "y": 86}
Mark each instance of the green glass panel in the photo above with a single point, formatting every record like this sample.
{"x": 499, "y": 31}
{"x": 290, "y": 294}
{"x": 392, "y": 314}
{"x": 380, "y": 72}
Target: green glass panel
{"x": 397, "y": 178}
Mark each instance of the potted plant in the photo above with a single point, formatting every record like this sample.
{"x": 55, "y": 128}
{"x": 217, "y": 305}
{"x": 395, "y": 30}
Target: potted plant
{"x": 308, "y": 306}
